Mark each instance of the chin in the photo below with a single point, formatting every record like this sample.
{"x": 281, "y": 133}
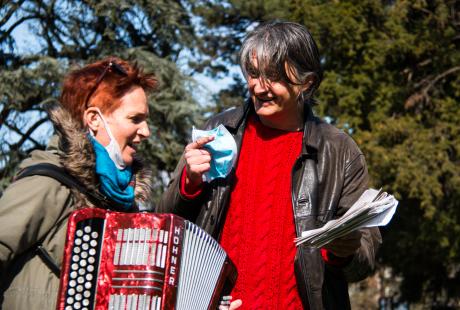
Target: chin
{"x": 128, "y": 160}
{"x": 265, "y": 111}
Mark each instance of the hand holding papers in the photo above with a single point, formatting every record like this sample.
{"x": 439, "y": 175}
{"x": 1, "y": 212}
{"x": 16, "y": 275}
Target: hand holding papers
{"x": 373, "y": 208}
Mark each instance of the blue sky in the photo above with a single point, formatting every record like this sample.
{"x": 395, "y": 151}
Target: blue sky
{"x": 28, "y": 43}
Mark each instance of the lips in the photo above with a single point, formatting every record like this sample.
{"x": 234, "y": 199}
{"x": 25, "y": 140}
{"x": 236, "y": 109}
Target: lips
{"x": 133, "y": 146}
{"x": 265, "y": 100}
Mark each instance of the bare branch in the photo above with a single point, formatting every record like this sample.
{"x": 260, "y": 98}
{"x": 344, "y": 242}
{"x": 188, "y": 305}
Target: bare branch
{"x": 17, "y": 23}
{"x": 10, "y": 13}
{"x": 27, "y": 135}
{"x": 427, "y": 83}
{"x": 4, "y": 115}
{"x": 441, "y": 76}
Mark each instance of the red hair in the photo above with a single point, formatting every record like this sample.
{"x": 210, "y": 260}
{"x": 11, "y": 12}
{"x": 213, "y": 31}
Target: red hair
{"x": 79, "y": 83}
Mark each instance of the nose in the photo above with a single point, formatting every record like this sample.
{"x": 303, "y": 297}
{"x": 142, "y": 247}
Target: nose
{"x": 258, "y": 86}
{"x": 144, "y": 130}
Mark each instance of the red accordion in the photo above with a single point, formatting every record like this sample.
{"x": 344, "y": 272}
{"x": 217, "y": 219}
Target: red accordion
{"x": 140, "y": 261}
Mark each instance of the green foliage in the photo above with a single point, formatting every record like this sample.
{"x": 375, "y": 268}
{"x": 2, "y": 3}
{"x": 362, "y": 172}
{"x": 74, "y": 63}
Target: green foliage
{"x": 69, "y": 33}
{"x": 392, "y": 77}
{"x": 392, "y": 80}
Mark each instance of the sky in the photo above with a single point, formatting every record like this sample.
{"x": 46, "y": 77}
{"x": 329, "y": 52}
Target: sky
{"x": 27, "y": 43}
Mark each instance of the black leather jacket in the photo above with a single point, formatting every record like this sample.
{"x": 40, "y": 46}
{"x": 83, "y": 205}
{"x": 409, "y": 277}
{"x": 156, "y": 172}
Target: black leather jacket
{"x": 327, "y": 178}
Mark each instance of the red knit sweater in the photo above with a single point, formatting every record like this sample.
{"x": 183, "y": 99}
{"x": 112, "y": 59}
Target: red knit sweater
{"x": 259, "y": 229}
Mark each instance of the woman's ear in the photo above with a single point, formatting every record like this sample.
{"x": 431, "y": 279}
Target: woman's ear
{"x": 307, "y": 85}
{"x": 91, "y": 119}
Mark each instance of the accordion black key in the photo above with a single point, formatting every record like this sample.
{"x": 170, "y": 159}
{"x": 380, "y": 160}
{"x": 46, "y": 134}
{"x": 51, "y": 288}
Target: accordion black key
{"x": 140, "y": 261}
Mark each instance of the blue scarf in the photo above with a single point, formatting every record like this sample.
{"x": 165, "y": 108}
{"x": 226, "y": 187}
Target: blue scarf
{"x": 115, "y": 183}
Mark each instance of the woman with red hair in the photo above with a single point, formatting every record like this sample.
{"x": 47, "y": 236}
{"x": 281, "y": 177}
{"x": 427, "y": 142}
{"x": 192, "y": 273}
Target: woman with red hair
{"x": 101, "y": 119}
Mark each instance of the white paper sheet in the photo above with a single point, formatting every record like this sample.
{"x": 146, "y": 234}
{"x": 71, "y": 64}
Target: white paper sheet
{"x": 373, "y": 208}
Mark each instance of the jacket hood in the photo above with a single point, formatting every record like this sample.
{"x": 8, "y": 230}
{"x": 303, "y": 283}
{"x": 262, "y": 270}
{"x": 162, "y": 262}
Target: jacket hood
{"x": 78, "y": 158}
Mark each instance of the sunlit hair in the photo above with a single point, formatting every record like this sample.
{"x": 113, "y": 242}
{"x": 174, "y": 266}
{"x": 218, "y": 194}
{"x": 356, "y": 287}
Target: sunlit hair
{"x": 278, "y": 46}
{"x": 79, "y": 83}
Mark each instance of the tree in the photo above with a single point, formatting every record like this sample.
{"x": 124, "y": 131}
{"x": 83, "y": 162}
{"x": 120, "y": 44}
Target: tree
{"x": 70, "y": 33}
{"x": 392, "y": 80}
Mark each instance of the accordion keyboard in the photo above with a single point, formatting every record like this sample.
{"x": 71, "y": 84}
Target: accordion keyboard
{"x": 124, "y": 261}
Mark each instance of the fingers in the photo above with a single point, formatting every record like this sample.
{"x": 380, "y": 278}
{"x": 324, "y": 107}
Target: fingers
{"x": 199, "y": 143}
{"x": 235, "y": 304}
{"x": 353, "y": 235}
{"x": 197, "y": 161}
{"x": 346, "y": 245}
{"x": 197, "y": 156}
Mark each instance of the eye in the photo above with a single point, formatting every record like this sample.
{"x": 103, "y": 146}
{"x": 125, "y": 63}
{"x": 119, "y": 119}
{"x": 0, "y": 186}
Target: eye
{"x": 137, "y": 119}
{"x": 273, "y": 75}
{"x": 253, "y": 72}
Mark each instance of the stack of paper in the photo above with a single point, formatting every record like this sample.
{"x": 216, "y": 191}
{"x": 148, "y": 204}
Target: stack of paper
{"x": 373, "y": 208}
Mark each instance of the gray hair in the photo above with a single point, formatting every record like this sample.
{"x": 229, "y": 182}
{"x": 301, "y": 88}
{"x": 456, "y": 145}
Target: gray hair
{"x": 277, "y": 43}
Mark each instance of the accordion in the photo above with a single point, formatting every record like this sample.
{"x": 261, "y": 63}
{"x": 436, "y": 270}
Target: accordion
{"x": 138, "y": 261}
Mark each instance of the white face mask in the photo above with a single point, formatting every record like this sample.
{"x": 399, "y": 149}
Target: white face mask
{"x": 113, "y": 148}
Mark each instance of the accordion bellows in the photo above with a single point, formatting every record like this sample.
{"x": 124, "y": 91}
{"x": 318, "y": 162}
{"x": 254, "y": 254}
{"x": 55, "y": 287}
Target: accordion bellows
{"x": 141, "y": 261}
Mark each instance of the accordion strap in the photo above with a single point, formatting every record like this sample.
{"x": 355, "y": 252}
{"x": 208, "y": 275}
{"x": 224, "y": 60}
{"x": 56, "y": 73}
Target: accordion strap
{"x": 59, "y": 174}
{"x": 48, "y": 260}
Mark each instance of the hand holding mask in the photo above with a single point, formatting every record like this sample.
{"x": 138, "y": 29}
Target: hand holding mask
{"x": 223, "y": 151}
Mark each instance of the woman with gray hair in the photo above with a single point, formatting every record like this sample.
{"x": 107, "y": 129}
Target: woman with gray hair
{"x": 294, "y": 172}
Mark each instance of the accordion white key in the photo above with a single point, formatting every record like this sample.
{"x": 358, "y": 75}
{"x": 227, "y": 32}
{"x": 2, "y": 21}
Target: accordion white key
{"x": 141, "y": 261}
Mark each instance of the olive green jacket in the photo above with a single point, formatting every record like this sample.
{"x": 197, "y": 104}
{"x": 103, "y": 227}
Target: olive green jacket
{"x": 34, "y": 210}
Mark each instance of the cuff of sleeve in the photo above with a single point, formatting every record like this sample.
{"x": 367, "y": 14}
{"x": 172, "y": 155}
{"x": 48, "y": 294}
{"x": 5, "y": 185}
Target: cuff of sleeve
{"x": 189, "y": 194}
{"x": 334, "y": 260}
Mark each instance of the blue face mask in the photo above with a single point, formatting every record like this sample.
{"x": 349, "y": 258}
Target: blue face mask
{"x": 115, "y": 183}
{"x": 223, "y": 151}
{"x": 113, "y": 148}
